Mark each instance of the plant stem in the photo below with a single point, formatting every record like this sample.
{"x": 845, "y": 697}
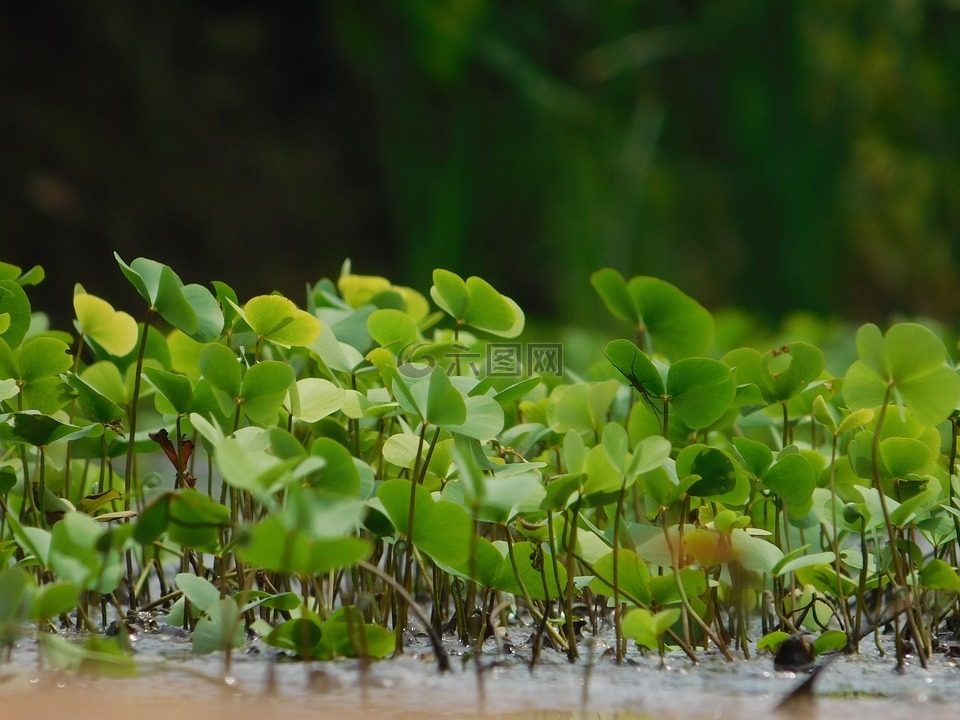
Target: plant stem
{"x": 686, "y": 602}
{"x": 900, "y": 578}
{"x": 570, "y": 547}
{"x": 132, "y": 412}
{"x": 442, "y": 660}
{"x": 617, "y": 610}
{"x": 852, "y": 640}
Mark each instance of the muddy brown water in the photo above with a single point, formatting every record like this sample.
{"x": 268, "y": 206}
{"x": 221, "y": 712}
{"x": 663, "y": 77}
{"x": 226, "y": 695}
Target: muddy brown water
{"x": 172, "y": 683}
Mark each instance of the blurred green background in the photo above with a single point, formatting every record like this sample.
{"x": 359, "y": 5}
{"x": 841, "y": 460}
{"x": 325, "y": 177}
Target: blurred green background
{"x": 773, "y": 155}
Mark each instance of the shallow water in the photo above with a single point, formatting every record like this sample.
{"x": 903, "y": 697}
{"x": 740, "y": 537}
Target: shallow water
{"x": 172, "y": 683}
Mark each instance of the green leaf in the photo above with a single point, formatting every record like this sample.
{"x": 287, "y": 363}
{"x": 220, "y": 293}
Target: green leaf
{"x": 220, "y": 628}
{"x": 339, "y": 474}
{"x": 700, "y": 390}
{"x": 247, "y": 465}
{"x": 264, "y": 388}
{"x": 582, "y": 406}
{"x": 144, "y": 275}
{"x": 530, "y": 558}
{"x": 484, "y": 419}
{"x": 300, "y": 636}
{"x": 791, "y": 368}
{"x": 756, "y": 456}
{"x": 316, "y": 398}
{"x": 791, "y": 478}
{"x": 113, "y": 330}
{"x": 201, "y": 593}
{"x": 603, "y": 476}
{"x": 477, "y": 304}
{"x": 678, "y": 325}
{"x": 34, "y": 541}
{"x": 649, "y": 453}
{"x": 74, "y": 556}
{"x": 177, "y": 390}
{"x": 42, "y": 430}
{"x": 344, "y": 634}
{"x": 449, "y": 291}
{"x": 91, "y": 503}
{"x": 612, "y": 289}
{"x": 574, "y": 451}
{"x": 171, "y": 303}
{"x": 755, "y": 553}
{"x": 632, "y": 574}
{"x": 938, "y": 575}
{"x": 207, "y": 310}
{"x": 663, "y": 588}
{"x": 802, "y": 561}
{"x": 854, "y": 420}
{"x": 392, "y": 329}
{"x": 438, "y": 402}
{"x": 634, "y": 365}
{"x": 191, "y": 309}
{"x": 105, "y": 378}
{"x": 714, "y": 468}
{"x": 16, "y": 597}
{"x": 279, "y": 320}
{"x": 323, "y": 515}
{"x": 517, "y": 391}
{"x": 358, "y": 290}
{"x": 93, "y": 404}
{"x": 278, "y": 601}
{"x": 272, "y": 546}
{"x": 43, "y": 357}
{"x": 781, "y": 373}
{"x": 221, "y": 367}
{"x": 772, "y": 640}
{"x": 912, "y": 361}
{"x": 190, "y": 518}
{"x": 52, "y": 600}
{"x": 903, "y": 456}
{"x": 830, "y": 640}
{"x": 484, "y": 567}
{"x": 401, "y": 449}
{"x": 15, "y": 307}
{"x": 504, "y": 497}
{"x": 441, "y": 529}
{"x": 824, "y": 414}
{"x": 645, "y": 628}
{"x": 492, "y": 312}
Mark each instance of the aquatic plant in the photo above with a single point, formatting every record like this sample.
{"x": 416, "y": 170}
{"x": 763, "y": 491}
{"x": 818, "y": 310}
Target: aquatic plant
{"x": 324, "y": 476}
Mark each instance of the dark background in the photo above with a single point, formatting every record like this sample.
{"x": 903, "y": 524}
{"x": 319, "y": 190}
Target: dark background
{"x": 775, "y": 155}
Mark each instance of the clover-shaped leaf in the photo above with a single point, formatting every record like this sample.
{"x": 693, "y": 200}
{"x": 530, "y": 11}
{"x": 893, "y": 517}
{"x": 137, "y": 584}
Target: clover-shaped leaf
{"x": 14, "y": 313}
{"x": 113, "y": 330}
{"x": 700, "y": 390}
{"x": 36, "y": 366}
{"x": 477, "y": 304}
{"x": 677, "y": 324}
{"x": 393, "y": 329}
{"x": 189, "y": 308}
{"x": 279, "y": 320}
{"x": 907, "y": 365}
{"x": 781, "y": 373}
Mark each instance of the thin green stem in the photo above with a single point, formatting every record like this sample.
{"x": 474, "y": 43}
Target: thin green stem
{"x": 132, "y": 412}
